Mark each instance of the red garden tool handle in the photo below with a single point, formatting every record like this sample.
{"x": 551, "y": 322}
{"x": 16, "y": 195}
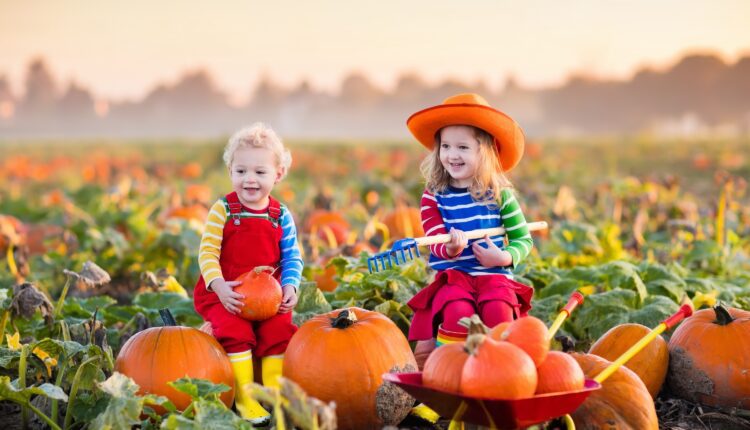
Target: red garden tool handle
{"x": 575, "y": 299}
{"x": 684, "y": 312}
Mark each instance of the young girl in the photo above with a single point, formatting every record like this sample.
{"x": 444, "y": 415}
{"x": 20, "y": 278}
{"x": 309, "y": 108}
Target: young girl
{"x": 245, "y": 229}
{"x": 473, "y": 145}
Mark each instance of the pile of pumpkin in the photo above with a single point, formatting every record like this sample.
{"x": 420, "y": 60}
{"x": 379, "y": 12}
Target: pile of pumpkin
{"x": 510, "y": 361}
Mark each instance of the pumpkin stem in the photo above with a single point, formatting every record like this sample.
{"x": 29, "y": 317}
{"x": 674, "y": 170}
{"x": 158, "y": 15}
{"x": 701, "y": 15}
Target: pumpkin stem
{"x": 344, "y": 319}
{"x": 474, "y": 324}
{"x": 167, "y": 318}
{"x": 260, "y": 269}
{"x": 723, "y": 317}
{"x": 471, "y": 346}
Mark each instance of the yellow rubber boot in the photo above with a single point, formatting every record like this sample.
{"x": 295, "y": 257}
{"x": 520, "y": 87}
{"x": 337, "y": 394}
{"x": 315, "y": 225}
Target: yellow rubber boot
{"x": 249, "y": 408}
{"x": 272, "y": 366}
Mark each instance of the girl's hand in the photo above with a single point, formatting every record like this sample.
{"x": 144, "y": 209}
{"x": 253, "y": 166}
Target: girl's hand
{"x": 288, "y": 299}
{"x": 229, "y": 299}
{"x": 492, "y": 256}
{"x": 457, "y": 244}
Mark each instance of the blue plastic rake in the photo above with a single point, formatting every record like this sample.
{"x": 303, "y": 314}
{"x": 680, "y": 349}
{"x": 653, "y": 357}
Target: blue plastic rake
{"x": 404, "y": 250}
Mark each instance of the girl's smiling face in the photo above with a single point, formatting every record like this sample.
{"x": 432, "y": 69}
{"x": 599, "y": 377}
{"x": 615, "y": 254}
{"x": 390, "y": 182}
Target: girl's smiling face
{"x": 459, "y": 154}
{"x": 254, "y": 172}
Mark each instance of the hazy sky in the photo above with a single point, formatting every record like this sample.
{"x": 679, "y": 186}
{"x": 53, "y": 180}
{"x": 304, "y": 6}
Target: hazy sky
{"x": 122, "y": 49}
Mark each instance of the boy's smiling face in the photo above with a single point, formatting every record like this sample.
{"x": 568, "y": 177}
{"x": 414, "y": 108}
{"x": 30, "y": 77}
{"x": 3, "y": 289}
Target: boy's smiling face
{"x": 459, "y": 154}
{"x": 254, "y": 172}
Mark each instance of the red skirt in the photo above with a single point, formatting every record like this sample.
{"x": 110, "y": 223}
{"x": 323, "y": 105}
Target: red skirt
{"x": 451, "y": 285}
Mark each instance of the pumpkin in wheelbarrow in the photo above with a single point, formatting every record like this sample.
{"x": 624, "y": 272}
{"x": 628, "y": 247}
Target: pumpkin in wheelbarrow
{"x": 341, "y": 356}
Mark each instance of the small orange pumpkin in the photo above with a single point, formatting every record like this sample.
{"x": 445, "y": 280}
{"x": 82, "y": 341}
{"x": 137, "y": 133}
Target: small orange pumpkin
{"x": 498, "y": 331}
{"x": 159, "y": 355}
{"x": 262, "y": 294}
{"x": 559, "y": 372}
{"x": 623, "y": 402}
{"x": 341, "y": 356}
{"x": 710, "y": 357}
{"x": 497, "y": 370}
{"x": 529, "y": 334}
{"x": 324, "y": 279}
{"x": 650, "y": 364}
{"x": 444, "y": 366}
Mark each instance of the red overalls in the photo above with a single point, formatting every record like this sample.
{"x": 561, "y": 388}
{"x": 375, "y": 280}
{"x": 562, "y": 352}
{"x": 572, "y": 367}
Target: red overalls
{"x": 246, "y": 243}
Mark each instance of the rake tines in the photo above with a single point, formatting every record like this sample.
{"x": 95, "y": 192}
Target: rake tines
{"x": 394, "y": 256}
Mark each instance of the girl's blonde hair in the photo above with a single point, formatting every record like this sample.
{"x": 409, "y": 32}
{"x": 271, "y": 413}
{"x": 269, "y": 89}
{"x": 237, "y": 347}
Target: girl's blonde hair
{"x": 259, "y": 135}
{"x": 489, "y": 179}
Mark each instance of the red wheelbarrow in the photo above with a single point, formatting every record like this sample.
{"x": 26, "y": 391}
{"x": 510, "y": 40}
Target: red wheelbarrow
{"x": 518, "y": 413}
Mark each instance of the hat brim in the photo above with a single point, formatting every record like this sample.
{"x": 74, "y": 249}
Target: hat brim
{"x": 509, "y": 138}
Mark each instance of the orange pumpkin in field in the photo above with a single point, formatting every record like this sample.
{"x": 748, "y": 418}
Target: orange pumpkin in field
{"x": 650, "y": 364}
{"x": 404, "y": 221}
{"x": 341, "y": 356}
{"x": 262, "y": 294}
{"x": 498, "y": 370}
{"x": 327, "y": 223}
{"x": 159, "y": 355}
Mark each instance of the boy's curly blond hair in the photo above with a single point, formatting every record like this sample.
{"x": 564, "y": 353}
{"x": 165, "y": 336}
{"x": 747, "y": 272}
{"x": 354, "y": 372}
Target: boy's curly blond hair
{"x": 489, "y": 180}
{"x": 259, "y": 135}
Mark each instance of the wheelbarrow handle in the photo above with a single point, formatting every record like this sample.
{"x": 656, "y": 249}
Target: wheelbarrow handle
{"x": 475, "y": 234}
{"x": 684, "y": 312}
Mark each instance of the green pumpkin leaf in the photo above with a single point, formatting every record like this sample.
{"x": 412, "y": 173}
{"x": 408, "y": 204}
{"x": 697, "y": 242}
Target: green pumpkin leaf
{"x": 178, "y": 422}
{"x": 125, "y": 406}
{"x": 9, "y": 358}
{"x": 10, "y": 391}
{"x": 655, "y": 310}
{"x": 621, "y": 274}
{"x": 198, "y": 388}
{"x": 311, "y": 299}
{"x": 214, "y": 414}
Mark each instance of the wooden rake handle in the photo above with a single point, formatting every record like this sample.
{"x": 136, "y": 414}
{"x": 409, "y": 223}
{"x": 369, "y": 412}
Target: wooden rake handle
{"x": 475, "y": 234}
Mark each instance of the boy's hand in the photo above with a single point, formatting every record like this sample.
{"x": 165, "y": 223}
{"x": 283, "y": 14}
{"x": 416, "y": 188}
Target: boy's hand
{"x": 492, "y": 256}
{"x": 288, "y": 299}
{"x": 457, "y": 244}
{"x": 227, "y": 296}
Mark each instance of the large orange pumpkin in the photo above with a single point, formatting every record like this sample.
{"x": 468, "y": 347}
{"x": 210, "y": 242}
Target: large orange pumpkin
{"x": 262, "y": 294}
{"x": 650, "y": 364}
{"x": 622, "y": 403}
{"x": 497, "y": 370}
{"x": 159, "y": 355}
{"x": 559, "y": 372}
{"x": 710, "y": 358}
{"x": 341, "y": 356}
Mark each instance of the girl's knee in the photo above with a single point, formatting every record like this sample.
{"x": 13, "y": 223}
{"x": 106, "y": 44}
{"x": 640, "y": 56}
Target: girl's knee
{"x": 494, "y": 312}
{"x": 454, "y": 311}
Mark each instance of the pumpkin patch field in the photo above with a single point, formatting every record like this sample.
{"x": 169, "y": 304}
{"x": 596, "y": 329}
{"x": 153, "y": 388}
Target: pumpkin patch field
{"x": 98, "y": 259}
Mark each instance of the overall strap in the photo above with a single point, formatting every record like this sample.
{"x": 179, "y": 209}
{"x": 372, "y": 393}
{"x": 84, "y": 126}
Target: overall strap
{"x": 274, "y": 211}
{"x": 235, "y": 207}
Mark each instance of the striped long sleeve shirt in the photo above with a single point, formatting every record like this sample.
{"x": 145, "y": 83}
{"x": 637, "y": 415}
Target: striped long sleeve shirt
{"x": 210, "y": 248}
{"x": 455, "y": 208}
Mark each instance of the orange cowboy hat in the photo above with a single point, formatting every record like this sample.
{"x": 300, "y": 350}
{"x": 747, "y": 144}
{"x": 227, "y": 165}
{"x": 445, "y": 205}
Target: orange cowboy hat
{"x": 470, "y": 109}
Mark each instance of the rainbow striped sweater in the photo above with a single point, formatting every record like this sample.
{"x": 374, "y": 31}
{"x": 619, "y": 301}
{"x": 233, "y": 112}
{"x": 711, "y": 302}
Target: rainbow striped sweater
{"x": 455, "y": 208}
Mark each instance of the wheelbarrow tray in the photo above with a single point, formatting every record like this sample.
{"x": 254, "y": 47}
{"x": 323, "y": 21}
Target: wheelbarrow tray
{"x": 504, "y": 414}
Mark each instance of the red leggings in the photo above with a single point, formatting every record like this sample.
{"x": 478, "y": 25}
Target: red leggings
{"x": 492, "y": 312}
